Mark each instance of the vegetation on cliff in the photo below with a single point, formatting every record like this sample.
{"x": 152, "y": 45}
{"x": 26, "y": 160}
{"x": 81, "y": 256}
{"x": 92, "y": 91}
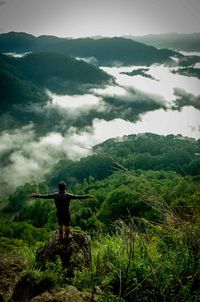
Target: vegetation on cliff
{"x": 144, "y": 222}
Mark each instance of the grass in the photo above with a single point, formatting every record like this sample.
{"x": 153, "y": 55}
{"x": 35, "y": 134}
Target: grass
{"x": 152, "y": 262}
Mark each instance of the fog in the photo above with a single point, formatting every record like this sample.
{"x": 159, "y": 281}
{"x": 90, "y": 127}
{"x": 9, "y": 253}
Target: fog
{"x": 165, "y": 105}
{"x": 17, "y": 55}
{"x": 190, "y": 53}
{"x": 186, "y": 122}
{"x": 163, "y": 87}
{"x": 30, "y": 158}
{"x": 76, "y": 103}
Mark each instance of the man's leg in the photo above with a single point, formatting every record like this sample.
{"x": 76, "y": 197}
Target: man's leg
{"x": 60, "y": 230}
{"x": 65, "y": 231}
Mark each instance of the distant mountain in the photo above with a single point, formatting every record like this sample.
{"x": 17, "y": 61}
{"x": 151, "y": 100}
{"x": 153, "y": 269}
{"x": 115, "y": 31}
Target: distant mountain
{"x": 184, "y": 42}
{"x": 107, "y": 51}
{"x": 23, "y": 42}
{"x": 112, "y": 51}
{"x": 17, "y": 42}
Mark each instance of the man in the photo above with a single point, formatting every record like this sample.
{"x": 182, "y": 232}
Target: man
{"x": 62, "y": 202}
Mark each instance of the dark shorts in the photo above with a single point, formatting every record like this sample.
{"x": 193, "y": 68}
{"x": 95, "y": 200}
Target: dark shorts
{"x": 63, "y": 218}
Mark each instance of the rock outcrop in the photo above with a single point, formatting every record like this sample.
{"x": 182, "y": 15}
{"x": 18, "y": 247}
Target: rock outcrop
{"x": 67, "y": 294}
{"x": 12, "y": 268}
{"x": 74, "y": 252}
{"x": 17, "y": 284}
{"x": 29, "y": 287}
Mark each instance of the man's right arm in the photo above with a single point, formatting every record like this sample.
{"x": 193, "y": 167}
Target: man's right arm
{"x": 43, "y": 196}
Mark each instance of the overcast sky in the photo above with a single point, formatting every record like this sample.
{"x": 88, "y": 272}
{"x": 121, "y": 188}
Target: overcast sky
{"x": 75, "y": 18}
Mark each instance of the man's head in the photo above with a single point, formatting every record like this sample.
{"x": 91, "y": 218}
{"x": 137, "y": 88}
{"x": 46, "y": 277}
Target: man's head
{"x": 62, "y": 186}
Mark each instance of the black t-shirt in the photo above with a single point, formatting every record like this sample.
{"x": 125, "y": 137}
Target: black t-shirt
{"x": 62, "y": 199}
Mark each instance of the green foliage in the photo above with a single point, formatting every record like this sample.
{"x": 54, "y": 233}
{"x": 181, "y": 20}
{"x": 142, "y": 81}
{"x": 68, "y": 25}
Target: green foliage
{"x": 20, "y": 197}
{"x": 194, "y": 167}
{"x": 154, "y": 152}
{"x": 38, "y": 213}
{"x": 22, "y": 230}
{"x": 54, "y": 271}
{"x": 144, "y": 224}
{"x": 157, "y": 265}
{"x": 145, "y": 152}
{"x": 19, "y": 92}
{"x": 94, "y": 166}
{"x": 124, "y": 196}
{"x": 17, "y": 200}
{"x": 10, "y": 245}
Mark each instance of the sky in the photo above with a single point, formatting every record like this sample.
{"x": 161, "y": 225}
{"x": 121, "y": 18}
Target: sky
{"x": 81, "y": 18}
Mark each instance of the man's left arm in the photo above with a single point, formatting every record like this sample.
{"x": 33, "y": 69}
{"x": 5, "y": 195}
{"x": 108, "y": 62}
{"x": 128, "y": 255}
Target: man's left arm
{"x": 74, "y": 196}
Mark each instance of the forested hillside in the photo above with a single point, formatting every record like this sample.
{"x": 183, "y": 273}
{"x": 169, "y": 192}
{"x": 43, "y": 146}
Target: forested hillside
{"x": 146, "y": 207}
{"x": 24, "y": 83}
{"x": 67, "y": 109}
{"x": 134, "y": 152}
{"x": 25, "y": 77}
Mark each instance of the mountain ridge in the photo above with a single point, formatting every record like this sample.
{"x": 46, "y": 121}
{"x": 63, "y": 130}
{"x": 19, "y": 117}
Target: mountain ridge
{"x": 106, "y": 50}
{"x": 176, "y": 41}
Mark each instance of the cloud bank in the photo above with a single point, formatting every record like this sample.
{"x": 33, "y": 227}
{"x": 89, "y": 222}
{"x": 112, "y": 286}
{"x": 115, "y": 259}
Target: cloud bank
{"x": 67, "y": 125}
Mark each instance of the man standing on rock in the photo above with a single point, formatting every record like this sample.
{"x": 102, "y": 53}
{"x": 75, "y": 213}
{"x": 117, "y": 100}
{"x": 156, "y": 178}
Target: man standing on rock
{"x": 62, "y": 202}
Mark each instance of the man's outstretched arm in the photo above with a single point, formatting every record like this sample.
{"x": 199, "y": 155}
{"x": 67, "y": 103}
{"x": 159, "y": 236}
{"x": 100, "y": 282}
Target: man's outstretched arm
{"x": 43, "y": 196}
{"x": 74, "y": 196}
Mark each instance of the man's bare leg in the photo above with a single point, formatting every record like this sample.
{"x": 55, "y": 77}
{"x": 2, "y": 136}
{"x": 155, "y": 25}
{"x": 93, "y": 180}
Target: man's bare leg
{"x": 65, "y": 232}
{"x": 60, "y": 230}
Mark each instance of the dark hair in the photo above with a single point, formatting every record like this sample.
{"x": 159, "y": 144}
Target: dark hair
{"x": 62, "y": 186}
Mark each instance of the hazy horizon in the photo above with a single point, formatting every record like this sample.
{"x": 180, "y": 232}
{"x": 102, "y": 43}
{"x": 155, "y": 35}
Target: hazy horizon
{"x": 103, "y": 36}
{"x": 90, "y": 18}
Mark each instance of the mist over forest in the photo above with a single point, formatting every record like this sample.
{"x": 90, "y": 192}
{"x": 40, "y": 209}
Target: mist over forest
{"x": 60, "y": 96}
{"x": 118, "y": 119}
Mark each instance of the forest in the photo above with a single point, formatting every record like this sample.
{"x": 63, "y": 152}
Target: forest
{"x": 143, "y": 223}
{"x": 116, "y": 120}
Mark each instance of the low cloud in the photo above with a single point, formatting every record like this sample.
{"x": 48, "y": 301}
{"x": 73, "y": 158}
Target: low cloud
{"x": 190, "y": 53}
{"x": 109, "y": 102}
{"x": 25, "y": 157}
{"x": 17, "y": 55}
{"x": 66, "y": 126}
{"x": 76, "y": 104}
{"x": 164, "y": 88}
{"x": 90, "y": 60}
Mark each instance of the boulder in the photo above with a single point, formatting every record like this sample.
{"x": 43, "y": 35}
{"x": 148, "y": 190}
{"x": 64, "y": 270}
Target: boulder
{"x": 29, "y": 287}
{"x": 74, "y": 252}
{"x": 67, "y": 294}
{"x": 12, "y": 268}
